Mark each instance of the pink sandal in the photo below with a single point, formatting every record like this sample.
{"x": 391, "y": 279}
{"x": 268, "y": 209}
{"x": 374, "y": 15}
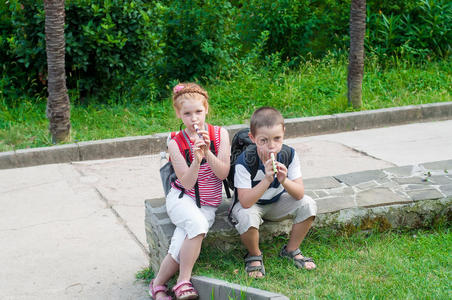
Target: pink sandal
{"x": 154, "y": 290}
{"x": 184, "y": 290}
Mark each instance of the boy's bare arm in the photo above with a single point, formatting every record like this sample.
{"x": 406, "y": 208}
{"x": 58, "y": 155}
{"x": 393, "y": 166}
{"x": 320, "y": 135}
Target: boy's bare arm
{"x": 249, "y": 197}
{"x": 295, "y": 187}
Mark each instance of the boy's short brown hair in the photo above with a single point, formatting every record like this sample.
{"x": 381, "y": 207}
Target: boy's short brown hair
{"x": 265, "y": 117}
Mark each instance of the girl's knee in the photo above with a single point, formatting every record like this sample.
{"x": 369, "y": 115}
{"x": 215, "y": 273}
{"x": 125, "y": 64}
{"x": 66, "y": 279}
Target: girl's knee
{"x": 197, "y": 227}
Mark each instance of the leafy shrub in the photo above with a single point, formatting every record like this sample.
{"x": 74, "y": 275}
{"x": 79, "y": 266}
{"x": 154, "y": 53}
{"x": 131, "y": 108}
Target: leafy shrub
{"x": 110, "y": 46}
{"x": 423, "y": 31}
{"x": 197, "y": 39}
{"x": 134, "y": 49}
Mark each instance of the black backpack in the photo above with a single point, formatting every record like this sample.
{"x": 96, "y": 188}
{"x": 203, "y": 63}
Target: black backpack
{"x": 241, "y": 142}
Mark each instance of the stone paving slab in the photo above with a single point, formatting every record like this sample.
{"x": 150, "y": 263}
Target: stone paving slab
{"x": 360, "y": 177}
{"x": 427, "y": 194}
{"x": 378, "y": 197}
{"x": 321, "y": 183}
{"x": 333, "y": 204}
{"x": 439, "y": 165}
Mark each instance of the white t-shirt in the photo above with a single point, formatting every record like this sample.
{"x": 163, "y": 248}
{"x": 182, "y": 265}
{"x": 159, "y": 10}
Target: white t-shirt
{"x": 243, "y": 180}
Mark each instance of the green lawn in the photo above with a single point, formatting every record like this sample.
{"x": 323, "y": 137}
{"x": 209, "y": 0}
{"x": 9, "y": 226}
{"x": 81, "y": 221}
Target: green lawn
{"x": 316, "y": 88}
{"x": 372, "y": 265}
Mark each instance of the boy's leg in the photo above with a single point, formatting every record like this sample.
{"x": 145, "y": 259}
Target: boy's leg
{"x": 303, "y": 212}
{"x": 248, "y": 222}
{"x": 297, "y": 235}
{"x": 250, "y": 240}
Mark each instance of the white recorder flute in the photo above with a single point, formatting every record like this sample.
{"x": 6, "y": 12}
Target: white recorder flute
{"x": 197, "y": 130}
{"x": 272, "y": 155}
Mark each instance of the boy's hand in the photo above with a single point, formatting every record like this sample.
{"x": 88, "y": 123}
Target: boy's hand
{"x": 282, "y": 172}
{"x": 269, "y": 173}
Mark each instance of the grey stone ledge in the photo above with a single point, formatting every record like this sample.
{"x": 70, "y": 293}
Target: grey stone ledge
{"x": 333, "y": 204}
{"x": 297, "y": 127}
{"x": 378, "y": 197}
{"x": 360, "y": 177}
{"x": 321, "y": 183}
{"x": 446, "y": 190}
{"x": 413, "y": 180}
{"x": 427, "y": 194}
{"x": 400, "y": 171}
{"x": 441, "y": 179}
{"x": 321, "y": 193}
{"x": 439, "y": 165}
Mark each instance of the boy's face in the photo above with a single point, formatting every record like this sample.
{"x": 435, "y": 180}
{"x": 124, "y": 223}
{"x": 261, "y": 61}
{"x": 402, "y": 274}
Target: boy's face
{"x": 268, "y": 140}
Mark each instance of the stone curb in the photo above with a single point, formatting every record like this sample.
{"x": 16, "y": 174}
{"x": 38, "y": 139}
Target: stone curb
{"x": 211, "y": 288}
{"x": 153, "y": 144}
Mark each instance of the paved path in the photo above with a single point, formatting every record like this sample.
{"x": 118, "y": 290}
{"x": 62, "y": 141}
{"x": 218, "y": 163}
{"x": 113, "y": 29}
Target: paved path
{"x": 76, "y": 231}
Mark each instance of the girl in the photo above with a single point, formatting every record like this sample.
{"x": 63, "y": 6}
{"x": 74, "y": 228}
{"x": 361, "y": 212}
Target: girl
{"x": 201, "y": 176}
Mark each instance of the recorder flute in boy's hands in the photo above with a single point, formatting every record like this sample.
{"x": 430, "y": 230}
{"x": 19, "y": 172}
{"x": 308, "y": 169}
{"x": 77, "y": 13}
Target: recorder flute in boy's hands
{"x": 275, "y": 170}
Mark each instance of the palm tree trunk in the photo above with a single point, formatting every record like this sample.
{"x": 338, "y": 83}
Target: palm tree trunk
{"x": 58, "y": 107}
{"x": 356, "y": 56}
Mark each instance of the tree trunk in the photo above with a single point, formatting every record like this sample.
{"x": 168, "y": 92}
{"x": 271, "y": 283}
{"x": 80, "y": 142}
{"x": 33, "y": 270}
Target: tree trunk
{"x": 58, "y": 107}
{"x": 356, "y": 56}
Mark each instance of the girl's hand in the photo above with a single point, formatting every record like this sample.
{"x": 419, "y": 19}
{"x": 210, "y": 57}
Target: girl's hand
{"x": 282, "y": 172}
{"x": 198, "y": 149}
{"x": 206, "y": 139}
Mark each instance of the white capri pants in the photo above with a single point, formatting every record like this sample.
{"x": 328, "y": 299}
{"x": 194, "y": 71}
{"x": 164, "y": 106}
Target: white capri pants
{"x": 286, "y": 207}
{"x": 189, "y": 219}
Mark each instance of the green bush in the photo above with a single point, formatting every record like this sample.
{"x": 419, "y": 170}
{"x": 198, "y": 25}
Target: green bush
{"x": 134, "y": 50}
{"x": 198, "y": 39}
{"x": 110, "y": 46}
{"x": 415, "y": 33}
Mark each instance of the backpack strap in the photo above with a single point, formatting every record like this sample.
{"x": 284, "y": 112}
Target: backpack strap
{"x": 184, "y": 145}
{"x": 286, "y": 156}
{"x": 213, "y": 148}
{"x": 213, "y": 144}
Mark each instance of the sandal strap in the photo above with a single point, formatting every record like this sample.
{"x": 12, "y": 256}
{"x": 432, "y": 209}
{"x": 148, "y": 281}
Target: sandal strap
{"x": 249, "y": 258}
{"x": 253, "y": 268}
{"x": 304, "y": 259}
{"x": 157, "y": 289}
{"x": 294, "y": 253}
{"x": 184, "y": 283}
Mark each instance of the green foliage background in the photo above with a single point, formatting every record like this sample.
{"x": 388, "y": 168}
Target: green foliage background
{"x": 133, "y": 50}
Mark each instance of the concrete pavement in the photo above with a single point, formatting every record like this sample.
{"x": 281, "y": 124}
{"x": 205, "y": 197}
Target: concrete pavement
{"x": 76, "y": 230}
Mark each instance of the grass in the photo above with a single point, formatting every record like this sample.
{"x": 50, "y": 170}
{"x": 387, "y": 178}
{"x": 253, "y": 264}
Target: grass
{"x": 318, "y": 87}
{"x": 372, "y": 265}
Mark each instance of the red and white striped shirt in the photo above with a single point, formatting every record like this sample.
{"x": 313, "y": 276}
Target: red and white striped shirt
{"x": 210, "y": 186}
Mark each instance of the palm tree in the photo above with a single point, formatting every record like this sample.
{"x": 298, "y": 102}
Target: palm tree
{"x": 58, "y": 107}
{"x": 356, "y": 56}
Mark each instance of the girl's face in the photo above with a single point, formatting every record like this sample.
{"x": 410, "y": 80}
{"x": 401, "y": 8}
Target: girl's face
{"x": 191, "y": 112}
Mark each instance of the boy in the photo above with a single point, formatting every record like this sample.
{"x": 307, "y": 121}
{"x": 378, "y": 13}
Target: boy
{"x": 273, "y": 194}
